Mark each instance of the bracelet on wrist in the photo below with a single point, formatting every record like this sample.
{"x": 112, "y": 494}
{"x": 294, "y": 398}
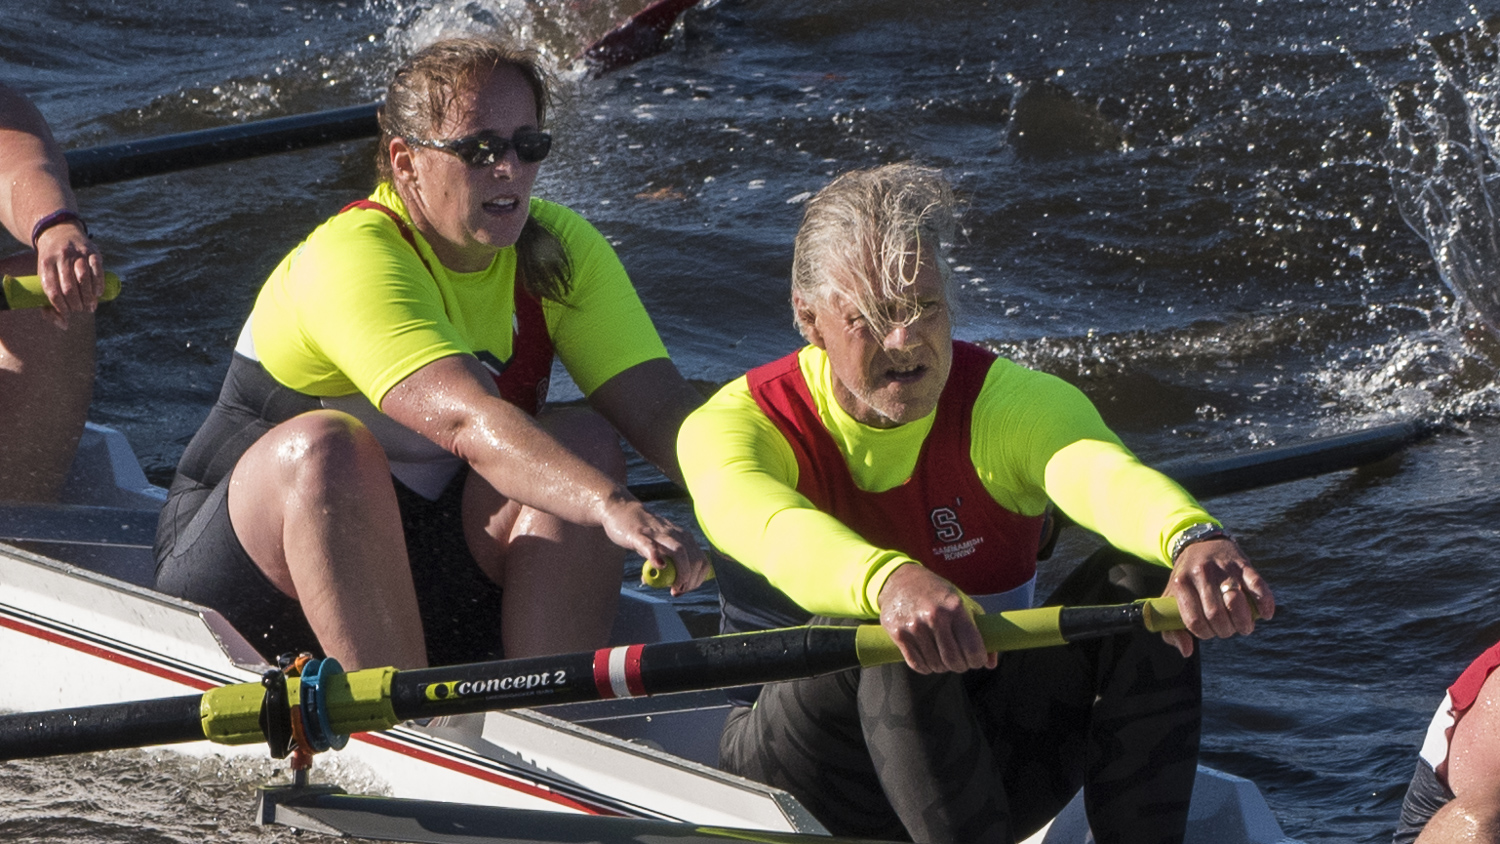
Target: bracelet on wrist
{"x": 56, "y": 218}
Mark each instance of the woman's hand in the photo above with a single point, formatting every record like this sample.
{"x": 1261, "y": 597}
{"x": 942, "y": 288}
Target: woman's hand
{"x": 630, "y": 525}
{"x": 71, "y": 270}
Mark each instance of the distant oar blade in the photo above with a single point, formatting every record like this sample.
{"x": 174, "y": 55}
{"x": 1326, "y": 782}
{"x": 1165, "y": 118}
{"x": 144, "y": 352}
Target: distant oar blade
{"x": 643, "y": 35}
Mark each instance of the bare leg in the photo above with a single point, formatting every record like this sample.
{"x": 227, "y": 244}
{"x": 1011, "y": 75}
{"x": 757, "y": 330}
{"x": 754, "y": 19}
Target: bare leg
{"x": 46, "y": 382}
{"x": 312, "y": 503}
{"x": 561, "y": 580}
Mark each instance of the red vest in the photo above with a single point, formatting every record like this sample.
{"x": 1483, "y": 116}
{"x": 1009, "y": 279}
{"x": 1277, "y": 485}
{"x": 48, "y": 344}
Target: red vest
{"x": 1465, "y": 690}
{"x": 522, "y": 380}
{"x": 942, "y": 516}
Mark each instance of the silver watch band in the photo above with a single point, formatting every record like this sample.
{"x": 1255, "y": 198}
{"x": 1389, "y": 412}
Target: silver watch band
{"x": 1196, "y": 533}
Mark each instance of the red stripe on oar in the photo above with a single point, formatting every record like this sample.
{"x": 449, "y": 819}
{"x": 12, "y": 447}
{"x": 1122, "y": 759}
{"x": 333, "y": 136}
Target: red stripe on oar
{"x": 601, "y": 673}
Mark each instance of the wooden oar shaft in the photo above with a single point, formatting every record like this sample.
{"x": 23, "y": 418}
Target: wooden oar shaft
{"x": 379, "y": 698}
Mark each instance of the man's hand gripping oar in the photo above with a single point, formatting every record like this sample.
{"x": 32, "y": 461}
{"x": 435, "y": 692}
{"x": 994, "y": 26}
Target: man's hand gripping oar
{"x": 1218, "y": 592}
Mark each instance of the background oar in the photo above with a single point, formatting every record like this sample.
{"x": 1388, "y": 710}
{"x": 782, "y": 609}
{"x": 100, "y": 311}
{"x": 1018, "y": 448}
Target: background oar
{"x": 134, "y": 159}
{"x": 634, "y": 36}
{"x": 1295, "y": 462}
{"x": 379, "y": 698}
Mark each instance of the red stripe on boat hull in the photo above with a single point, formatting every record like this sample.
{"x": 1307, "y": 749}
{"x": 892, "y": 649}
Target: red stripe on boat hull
{"x": 383, "y": 742}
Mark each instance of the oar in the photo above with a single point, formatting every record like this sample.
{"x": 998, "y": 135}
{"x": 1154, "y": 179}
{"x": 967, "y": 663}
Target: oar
{"x": 639, "y": 35}
{"x": 1295, "y": 462}
{"x": 26, "y": 291}
{"x": 337, "y": 704}
{"x": 169, "y": 153}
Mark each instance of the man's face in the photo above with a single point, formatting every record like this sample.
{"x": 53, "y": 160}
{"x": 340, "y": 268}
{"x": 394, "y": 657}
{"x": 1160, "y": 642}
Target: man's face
{"x": 885, "y": 381}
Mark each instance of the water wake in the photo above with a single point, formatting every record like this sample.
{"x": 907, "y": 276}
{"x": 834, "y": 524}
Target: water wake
{"x": 1444, "y": 163}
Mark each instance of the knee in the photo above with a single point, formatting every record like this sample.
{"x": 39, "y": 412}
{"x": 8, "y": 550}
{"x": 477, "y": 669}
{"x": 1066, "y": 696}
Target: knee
{"x": 328, "y": 447}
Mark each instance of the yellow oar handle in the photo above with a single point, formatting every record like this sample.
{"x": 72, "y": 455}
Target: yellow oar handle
{"x": 26, "y": 291}
{"x": 664, "y": 577}
{"x": 1042, "y": 627}
{"x": 1159, "y": 614}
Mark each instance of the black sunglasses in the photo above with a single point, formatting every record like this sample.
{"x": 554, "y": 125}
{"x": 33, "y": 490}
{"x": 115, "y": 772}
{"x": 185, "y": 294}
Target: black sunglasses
{"x": 485, "y": 148}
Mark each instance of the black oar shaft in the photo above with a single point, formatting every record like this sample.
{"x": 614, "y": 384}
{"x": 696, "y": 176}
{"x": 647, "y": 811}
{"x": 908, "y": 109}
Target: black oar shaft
{"x": 379, "y": 698}
{"x": 1076, "y": 623}
{"x": 1267, "y": 467}
{"x": 714, "y": 662}
{"x": 114, "y": 726}
{"x": 133, "y": 159}
{"x": 639, "y": 36}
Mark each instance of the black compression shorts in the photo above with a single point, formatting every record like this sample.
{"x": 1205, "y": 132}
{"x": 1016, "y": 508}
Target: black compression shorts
{"x": 199, "y": 557}
{"x": 459, "y": 604}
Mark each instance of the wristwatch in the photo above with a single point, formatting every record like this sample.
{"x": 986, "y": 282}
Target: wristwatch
{"x": 1196, "y": 533}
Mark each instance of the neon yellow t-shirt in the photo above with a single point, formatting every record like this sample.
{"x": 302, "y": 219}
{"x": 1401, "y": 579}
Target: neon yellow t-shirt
{"x": 354, "y": 309}
{"x": 1035, "y": 438}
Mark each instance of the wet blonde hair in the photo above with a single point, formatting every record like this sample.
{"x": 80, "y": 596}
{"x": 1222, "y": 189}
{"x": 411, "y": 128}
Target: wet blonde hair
{"x": 870, "y": 228}
{"x": 421, "y": 96}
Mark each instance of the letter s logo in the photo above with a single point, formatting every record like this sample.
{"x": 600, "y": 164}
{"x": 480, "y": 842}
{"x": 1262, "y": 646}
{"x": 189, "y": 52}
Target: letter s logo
{"x": 945, "y": 523}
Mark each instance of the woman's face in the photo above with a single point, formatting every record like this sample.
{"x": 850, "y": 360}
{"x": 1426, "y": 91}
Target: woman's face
{"x": 470, "y": 213}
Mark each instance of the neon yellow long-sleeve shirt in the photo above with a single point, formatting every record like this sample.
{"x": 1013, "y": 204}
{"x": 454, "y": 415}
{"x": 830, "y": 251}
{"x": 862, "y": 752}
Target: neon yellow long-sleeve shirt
{"x": 1035, "y": 438}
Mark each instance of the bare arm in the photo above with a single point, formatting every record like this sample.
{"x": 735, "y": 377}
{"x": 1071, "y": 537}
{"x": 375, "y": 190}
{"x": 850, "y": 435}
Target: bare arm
{"x": 452, "y": 401}
{"x": 647, "y": 403}
{"x": 1470, "y": 819}
{"x": 1473, "y": 816}
{"x": 33, "y": 186}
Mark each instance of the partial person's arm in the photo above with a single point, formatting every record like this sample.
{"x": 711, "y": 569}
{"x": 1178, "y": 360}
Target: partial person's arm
{"x": 1473, "y": 815}
{"x": 38, "y": 208}
{"x": 453, "y": 402}
{"x": 743, "y": 478}
{"x": 1103, "y": 487}
{"x": 647, "y": 403}
{"x": 1470, "y": 819}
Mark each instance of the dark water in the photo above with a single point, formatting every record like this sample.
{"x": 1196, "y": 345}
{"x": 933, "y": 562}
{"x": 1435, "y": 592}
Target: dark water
{"x": 1194, "y": 210}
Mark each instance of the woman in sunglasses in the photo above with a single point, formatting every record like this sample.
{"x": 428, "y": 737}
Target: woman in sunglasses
{"x": 378, "y": 480}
